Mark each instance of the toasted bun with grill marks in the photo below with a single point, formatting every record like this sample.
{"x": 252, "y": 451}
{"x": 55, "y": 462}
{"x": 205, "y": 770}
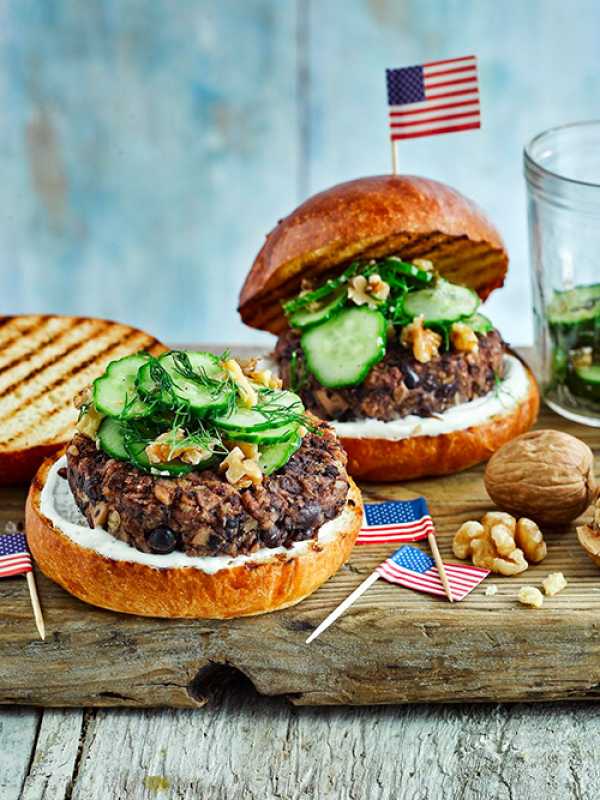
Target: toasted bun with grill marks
{"x": 44, "y": 362}
{"x": 371, "y": 218}
{"x": 444, "y": 454}
{"x": 134, "y": 588}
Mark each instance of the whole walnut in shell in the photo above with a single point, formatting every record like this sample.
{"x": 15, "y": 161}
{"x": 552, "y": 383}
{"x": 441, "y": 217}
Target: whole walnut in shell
{"x": 545, "y": 475}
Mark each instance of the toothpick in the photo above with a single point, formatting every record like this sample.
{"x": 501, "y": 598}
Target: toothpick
{"x": 345, "y": 604}
{"x": 35, "y": 603}
{"x": 440, "y": 565}
{"x": 394, "y": 158}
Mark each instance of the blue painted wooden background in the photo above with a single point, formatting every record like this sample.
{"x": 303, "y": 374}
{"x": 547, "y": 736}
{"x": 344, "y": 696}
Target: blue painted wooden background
{"x": 147, "y": 147}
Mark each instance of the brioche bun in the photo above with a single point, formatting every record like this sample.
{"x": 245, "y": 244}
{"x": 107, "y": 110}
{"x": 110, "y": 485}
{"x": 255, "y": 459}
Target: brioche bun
{"x": 371, "y": 218}
{"x": 45, "y": 360}
{"x": 374, "y": 217}
{"x": 443, "y": 454}
{"x": 252, "y": 587}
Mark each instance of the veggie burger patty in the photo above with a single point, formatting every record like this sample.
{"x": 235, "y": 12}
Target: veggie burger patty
{"x": 398, "y": 385}
{"x": 201, "y": 513}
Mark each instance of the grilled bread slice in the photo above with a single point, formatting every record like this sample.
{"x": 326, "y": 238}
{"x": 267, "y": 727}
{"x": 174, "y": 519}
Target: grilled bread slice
{"x": 44, "y": 362}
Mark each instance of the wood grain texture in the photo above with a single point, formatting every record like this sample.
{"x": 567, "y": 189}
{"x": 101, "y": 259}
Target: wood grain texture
{"x": 392, "y": 646}
{"x": 57, "y": 747}
{"x": 258, "y": 748}
{"x": 18, "y": 736}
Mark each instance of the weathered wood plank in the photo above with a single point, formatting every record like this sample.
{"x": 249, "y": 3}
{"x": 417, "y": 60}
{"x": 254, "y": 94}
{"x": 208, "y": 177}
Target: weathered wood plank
{"x": 18, "y": 734}
{"x": 250, "y": 747}
{"x": 393, "y": 646}
{"x": 56, "y": 751}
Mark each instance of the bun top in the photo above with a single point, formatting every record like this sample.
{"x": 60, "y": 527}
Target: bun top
{"x": 371, "y": 218}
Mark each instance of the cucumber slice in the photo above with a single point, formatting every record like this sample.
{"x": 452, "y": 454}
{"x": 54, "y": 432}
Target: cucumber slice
{"x": 341, "y": 351}
{"x": 195, "y": 379}
{"x": 444, "y": 302}
{"x": 110, "y": 438}
{"x": 274, "y": 456}
{"x": 330, "y": 304}
{"x": 271, "y": 436}
{"x": 585, "y": 382}
{"x": 409, "y": 270}
{"x": 575, "y": 306}
{"x": 260, "y": 417}
{"x": 115, "y": 393}
{"x": 479, "y": 323}
{"x": 590, "y": 374}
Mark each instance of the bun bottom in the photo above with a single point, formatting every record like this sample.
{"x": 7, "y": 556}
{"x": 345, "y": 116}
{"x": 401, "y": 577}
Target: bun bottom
{"x": 421, "y": 456}
{"x": 134, "y": 588}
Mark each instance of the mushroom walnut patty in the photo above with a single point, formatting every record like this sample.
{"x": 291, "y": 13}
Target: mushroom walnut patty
{"x": 201, "y": 513}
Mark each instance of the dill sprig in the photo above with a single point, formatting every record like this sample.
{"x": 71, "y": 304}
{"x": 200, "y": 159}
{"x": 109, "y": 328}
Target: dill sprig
{"x": 392, "y": 270}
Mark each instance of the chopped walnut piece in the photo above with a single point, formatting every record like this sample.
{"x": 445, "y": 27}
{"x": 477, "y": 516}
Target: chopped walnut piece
{"x": 502, "y": 539}
{"x": 554, "y": 583}
{"x": 463, "y": 538}
{"x": 247, "y": 393}
{"x": 530, "y": 596}
{"x": 265, "y": 377}
{"x": 165, "y": 448}
{"x": 83, "y": 397}
{"x": 529, "y": 538}
{"x": 369, "y": 292}
{"x": 89, "y": 422}
{"x": 424, "y": 264}
{"x": 249, "y": 449}
{"x": 113, "y": 521}
{"x": 377, "y": 287}
{"x": 490, "y": 591}
{"x": 464, "y": 338}
{"x": 499, "y": 518}
{"x": 240, "y": 471}
{"x": 425, "y": 343}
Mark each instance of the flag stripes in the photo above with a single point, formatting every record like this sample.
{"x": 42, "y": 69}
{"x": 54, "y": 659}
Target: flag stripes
{"x": 414, "y": 94}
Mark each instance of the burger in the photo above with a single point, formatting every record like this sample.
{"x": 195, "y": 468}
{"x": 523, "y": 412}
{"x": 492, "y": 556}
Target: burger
{"x": 194, "y": 486}
{"x": 374, "y": 289}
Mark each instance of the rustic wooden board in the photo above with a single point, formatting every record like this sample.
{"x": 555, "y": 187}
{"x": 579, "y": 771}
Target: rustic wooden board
{"x": 394, "y": 645}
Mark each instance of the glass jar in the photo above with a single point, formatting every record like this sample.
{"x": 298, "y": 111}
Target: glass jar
{"x": 562, "y": 170}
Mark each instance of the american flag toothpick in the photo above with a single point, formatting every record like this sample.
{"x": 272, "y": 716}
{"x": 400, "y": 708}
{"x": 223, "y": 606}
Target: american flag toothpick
{"x": 413, "y": 569}
{"x": 432, "y": 98}
{"x": 16, "y": 560}
{"x": 402, "y": 521}
{"x": 396, "y": 521}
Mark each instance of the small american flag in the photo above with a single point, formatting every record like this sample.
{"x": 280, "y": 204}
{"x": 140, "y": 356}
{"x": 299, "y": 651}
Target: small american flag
{"x": 414, "y": 569}
{"x": 14, "y": 555}
{"x": 438, "y": 97}
{"x": 395, "y": 521}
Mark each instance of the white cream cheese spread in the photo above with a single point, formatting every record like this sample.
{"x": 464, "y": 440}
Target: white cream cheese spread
{"x": 502, "y": 400}
{"x": 58, "y": 505}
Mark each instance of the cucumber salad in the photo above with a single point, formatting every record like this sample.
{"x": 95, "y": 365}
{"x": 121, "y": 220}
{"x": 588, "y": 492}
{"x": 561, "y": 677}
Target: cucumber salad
{"x": 347, "y": 322}
{"x": 573, "y": 318}
{"x": 186, "y": 411}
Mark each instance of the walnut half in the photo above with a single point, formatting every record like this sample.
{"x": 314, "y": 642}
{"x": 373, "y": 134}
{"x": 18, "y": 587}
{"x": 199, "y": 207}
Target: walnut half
{"x": 500, "y": 543}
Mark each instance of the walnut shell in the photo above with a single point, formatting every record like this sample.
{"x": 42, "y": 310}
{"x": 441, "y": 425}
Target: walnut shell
{"x": 545, "y": 475}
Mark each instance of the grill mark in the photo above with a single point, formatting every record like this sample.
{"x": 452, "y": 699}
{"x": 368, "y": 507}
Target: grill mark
{"x": 56, "y": 337}
{"x": 59, "y": 382}
{"x": 21, "y": 331}
{"x": 151, "y": 346}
